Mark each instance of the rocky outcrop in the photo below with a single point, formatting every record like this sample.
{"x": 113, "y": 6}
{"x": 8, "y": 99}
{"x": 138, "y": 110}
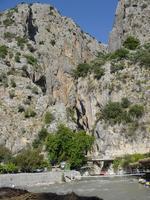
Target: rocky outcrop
{"x": 132, "y": 18}
{"x": 42, "y": 48}
{"x": 113, "y": 140}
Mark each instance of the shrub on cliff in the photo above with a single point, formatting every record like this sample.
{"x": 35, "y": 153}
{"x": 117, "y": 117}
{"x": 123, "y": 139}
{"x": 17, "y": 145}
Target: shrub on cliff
{"x": 3, "y": 51}
{"x": 48, "y": 118}
{"x": 131, "y": 43}
{"x": 136, "y": 110}
{"x": 119, "y": 54}
{"x": 66, "y": 145}
{"x": 82, "y": 70}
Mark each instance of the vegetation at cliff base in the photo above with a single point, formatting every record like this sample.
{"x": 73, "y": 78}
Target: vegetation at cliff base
{"x": 66, "y": 145}
{"x": 125, "y": 161}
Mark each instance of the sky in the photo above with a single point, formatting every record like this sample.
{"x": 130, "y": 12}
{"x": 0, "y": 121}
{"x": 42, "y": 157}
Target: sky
{"x": 95, "y": 17}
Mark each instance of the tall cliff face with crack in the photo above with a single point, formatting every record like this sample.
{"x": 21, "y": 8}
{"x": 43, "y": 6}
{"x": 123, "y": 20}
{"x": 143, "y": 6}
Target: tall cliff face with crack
{"x": 38, "y": 50}
{"x": 132, "y": 18}
{"x": 39, "y": 54}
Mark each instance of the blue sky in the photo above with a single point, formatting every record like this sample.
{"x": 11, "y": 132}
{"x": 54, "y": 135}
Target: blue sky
{"x": 95, "y": 17}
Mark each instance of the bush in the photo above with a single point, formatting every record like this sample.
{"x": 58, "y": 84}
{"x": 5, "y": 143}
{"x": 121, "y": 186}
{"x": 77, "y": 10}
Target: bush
{"x": 29, "y": 160}
{"x": 98, "y": 71}
{"x": 8, "y": 22}
{"x": 136, "y": 110}
{"x": 82, "y": 70}
{"x": 66, "y": 145}
{"x": 48, "y": 118}
{"x": 21, "y": 41}
{"x": 29, "y": 113}
{"x": 4, "y": 79}
{"x": 113, "y": 112}
{"x": 126, "y": 160}
{"x": 17, "y": 57}
{"x": 142, "y": 56}
{"x": 9, "y": 36}
{"x": 31, "y": 60}
{"x": 8, "y": 168}
{"x": 119, "y": 54}
{"x": 41, "y": 138}
{"x": 115, "y": 67}
{"x": 3, "y": 51}
{"x": 5, "y": 154}
{"x": 125, "y": 103}
{"x": 131, "y": 43}
{"x": 13, "y": 83}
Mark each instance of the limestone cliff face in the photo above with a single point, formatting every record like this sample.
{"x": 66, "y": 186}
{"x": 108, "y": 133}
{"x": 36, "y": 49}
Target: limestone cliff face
{"x": 113, "y": 140}
{"x": 41, "y": 49}
{"x": 38, "y": 50}
{"x": 132, "y": 18}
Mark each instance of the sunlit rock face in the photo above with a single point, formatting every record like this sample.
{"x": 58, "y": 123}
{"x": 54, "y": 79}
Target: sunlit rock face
{"x": 132, "y": 18}
{"x": 43, "y": 48}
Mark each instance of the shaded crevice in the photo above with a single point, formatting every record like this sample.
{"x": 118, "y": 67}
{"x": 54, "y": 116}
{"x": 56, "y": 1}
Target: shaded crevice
{"x": 80, "y": 126}
{"x": 42, "y": 83}
{"x": 31, "y": 29}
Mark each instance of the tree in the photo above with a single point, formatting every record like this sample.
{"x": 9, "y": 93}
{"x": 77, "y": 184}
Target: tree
{"x": 66, "y": 145}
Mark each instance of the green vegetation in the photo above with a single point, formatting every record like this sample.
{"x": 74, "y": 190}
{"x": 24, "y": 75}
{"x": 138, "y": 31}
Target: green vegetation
{"x": 66, "y": 145}
{"x": 21, "y": 41}
{"x": 115, "y": 67}
{"x": 125, "y": 103}
{"x": 48, "y": 118}
{"x": 9, "y": 36}
{"x": 71, "y": 113}
{"x": 17, "y": 57}
{"x": 13, "y": 83}
{"x": 29, "y": 160}
{"x": 142, "y": 55}
{"x": 131, "y": 43}
{"x": 31, "y": 60}
{"x": 125, "y": 161}
{"x": 4, "y": 79}
{"x": 3, "y": 51}
{"x": 136, "y": 110}
{"x": 41, "y": 138}
{"x": 8, "y": 168}
{"x": 119, "y": 54}
{"x": 29, "y": 113}
{"x": 5, "y": 154}
{"x": 84, "y": 69}
{"x": 8, "y": 22}
{"x": 117, "y": 112}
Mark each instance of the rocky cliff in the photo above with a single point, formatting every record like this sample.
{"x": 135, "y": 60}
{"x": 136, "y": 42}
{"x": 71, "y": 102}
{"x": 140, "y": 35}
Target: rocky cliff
{"x": 41, "y": 85}
{"x": 38, "y": 50}
{"x": 132, "y": 18}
